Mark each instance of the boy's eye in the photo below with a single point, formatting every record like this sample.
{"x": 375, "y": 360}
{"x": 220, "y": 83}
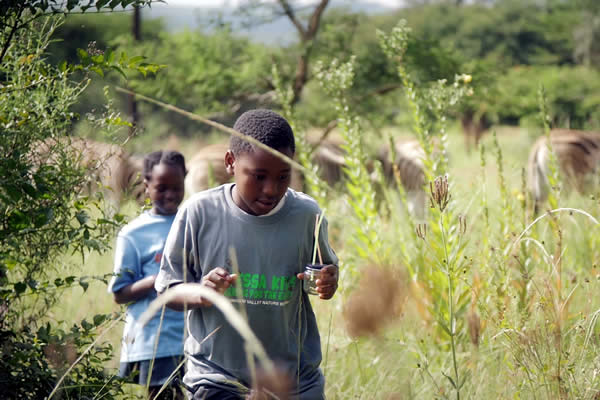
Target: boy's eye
{"x": 259, "y": 177}
{"x": 284, "y": 177}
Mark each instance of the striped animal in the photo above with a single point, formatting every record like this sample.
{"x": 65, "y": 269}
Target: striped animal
{"x": 409, "y": 161}
{"x": 207, "y": 166}
{"x": 108, "y": 167}
{"x": 577, "y": 156}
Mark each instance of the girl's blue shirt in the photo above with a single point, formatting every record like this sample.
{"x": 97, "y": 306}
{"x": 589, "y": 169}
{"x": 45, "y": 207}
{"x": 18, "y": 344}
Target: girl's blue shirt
{"x": 138, "y": 254}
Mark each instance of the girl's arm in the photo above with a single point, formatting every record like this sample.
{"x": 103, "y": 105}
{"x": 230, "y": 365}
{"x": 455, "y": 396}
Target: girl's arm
{"x": 135, "y": 291}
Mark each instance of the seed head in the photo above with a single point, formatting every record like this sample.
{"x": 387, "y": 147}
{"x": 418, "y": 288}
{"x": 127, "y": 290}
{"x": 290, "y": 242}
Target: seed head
{"x": 92, "y": 50}
{"x": 376, "y": 302}
{"x": 474, "y": 327}
{"x": 275, "y": 385}
{"x": 439, "y": 193}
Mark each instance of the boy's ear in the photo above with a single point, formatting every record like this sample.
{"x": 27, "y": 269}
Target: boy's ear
{"x": 229, "y": 162}
{"x": 146, "y": 186}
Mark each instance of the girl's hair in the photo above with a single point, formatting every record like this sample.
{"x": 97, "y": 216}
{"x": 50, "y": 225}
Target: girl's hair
{"x": 173, "y": 158}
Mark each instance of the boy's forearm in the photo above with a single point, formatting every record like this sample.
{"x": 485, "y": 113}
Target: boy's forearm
{"x": 186, "y": 301}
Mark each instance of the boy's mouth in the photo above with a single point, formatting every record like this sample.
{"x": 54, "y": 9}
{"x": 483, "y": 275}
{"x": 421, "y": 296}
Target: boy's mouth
{"x": 266, "y": 204}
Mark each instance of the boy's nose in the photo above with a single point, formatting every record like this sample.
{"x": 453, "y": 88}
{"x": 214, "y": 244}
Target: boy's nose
{"x": 271, "y": 188}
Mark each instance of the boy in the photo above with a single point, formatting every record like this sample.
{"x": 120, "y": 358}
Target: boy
{"x": 271, "y": 229}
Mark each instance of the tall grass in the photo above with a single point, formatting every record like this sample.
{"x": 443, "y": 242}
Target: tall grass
{"x": 498, "y": 303}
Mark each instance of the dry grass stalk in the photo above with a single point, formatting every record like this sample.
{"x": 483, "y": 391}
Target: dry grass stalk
{"x": 377, "y": 301}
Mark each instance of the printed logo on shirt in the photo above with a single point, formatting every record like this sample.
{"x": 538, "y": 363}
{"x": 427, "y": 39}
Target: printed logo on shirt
{"x": 257, "y": 289}
{"x": 157, "y": 257}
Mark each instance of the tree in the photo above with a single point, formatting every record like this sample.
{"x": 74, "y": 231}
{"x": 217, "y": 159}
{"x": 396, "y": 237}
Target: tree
{"x": 307, "y": 28}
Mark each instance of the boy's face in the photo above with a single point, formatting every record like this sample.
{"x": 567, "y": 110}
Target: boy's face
{"x": 261, "y": 179}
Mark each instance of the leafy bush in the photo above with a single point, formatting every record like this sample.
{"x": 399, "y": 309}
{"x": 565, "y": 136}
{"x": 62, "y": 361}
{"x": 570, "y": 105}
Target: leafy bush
{"x": 209, "y": 74}
{"x": 45, "y": 213}
{"x": 573, "y": 97}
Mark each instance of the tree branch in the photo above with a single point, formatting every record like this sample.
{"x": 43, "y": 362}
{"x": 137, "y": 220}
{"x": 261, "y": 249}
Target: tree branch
{"x": 11, "y": 34}
{"x": 287, "y": 9}
{"x": 330, "y": 126}
{"x": 315, "y": 19}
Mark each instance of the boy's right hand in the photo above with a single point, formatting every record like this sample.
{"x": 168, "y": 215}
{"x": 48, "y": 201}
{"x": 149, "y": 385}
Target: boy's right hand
{"x": 219, "y": 279}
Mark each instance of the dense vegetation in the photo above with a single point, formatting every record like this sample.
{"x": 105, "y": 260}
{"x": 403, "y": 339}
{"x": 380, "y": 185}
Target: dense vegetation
{"x": 476, "y": 299}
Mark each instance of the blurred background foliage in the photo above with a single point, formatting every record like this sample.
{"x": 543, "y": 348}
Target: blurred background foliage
{"x": 510, "y": 47}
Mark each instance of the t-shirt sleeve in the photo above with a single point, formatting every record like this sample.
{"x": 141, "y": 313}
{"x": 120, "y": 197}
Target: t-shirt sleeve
{"x": 127, "y": 267}
{"x": 329, "y": 256}
{"x": 178, "y": 260}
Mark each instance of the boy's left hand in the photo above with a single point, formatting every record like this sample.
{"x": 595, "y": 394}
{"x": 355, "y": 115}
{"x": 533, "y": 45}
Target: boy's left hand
{"x": 328, "y": 282}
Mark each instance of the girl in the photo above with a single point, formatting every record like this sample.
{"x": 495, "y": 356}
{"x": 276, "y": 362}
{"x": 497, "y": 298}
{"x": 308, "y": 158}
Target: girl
{"x": 150, "y": 355}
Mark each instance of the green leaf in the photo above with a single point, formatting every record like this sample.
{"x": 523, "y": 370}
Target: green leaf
{"x": 450, "y": 379}
{"x": 99, "y": 319}
{"x": 119, "y": 70}
{"x": 82, "y": 217}
{"x": 101, "y": 3}
{"x": 83, "y": 56}
{"x": 443, "y": 325}
{"x": 98, "y": 59}
{"x": 110, "y": 56}
{"x": 71, "y": 4}
{"x": 20, "y": 287}
{"x": 135, "y": 60}
{"x": 97, "y": 70}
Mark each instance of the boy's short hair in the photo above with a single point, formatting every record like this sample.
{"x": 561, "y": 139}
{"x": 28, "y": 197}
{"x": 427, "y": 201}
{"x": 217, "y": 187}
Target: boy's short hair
{"x": 267, "y": 127}
{"x": 173, "y": 158}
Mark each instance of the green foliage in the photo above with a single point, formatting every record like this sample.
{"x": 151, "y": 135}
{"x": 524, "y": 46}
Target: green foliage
{"x": 46, "y": 212}
{"x": 312, "y": 184}
{"x": 208, "y": 74}
{"x": 32, "y": 361}
{"x": 34, "y": 7}
{"x": 336, "y": 79}
{"x": 97, "y": 29}
{"x": 507, "y": 32}
{"x": 572, "y": 96}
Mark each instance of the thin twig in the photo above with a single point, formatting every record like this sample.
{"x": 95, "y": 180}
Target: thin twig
{"x": 217, "y": 125}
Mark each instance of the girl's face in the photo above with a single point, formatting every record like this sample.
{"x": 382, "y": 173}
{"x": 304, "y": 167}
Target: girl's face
{"x": 165, "y": 188}
{"x": 261, "y": 179}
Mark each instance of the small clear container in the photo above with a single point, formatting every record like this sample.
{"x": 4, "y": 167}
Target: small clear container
{"x": 312, "y": 272}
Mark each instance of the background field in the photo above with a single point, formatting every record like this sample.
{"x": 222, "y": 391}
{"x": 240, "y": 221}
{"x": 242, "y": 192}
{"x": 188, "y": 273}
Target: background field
{"x": 409, "y": 355}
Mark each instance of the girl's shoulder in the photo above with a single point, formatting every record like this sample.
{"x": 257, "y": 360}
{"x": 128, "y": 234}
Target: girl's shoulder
{"x": 146, "y": 220}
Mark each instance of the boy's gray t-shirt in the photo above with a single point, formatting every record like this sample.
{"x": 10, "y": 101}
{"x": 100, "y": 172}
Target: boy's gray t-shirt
{"x": 270, "y": 251}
